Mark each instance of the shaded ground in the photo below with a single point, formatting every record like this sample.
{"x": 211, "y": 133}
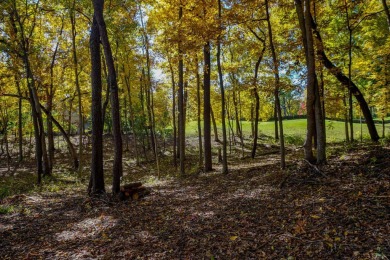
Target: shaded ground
{"x": 341, "y": 210}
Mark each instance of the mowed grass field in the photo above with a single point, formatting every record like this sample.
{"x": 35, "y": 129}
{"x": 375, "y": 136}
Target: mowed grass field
{"x": 295, "y": 130}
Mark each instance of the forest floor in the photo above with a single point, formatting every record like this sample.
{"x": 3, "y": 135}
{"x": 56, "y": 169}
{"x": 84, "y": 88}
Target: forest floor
{"x": 257, "y": 211}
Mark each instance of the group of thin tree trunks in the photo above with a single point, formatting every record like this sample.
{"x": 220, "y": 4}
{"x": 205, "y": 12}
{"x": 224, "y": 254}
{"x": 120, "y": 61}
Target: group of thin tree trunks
{"x": 44, "y": 136}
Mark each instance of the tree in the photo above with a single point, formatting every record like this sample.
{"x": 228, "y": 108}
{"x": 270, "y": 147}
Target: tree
{"x": 98, "y": 6}
{"x": 72, "y": 12}
{"x": 277, "y": 87}
{"x": 345, "y": 81}
{"x": 223, "y": 116}
{"x": 96, "y": 184}
{"x": 180, "y": 102}
{"x": 208, "y": 166}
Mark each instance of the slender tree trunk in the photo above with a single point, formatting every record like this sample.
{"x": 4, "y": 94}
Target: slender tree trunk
{"x": 107, "y": 96}
{"x": 383, "y": 128}
{"x": 276, "y": 128}
{"x": 198, "y": 103}
{"x": 131, "y": 112}
{"x": 346, "y": 119}
{"x": 20, "y": 120}
{"x": 322, "y": 97}
{"x": 257, "y": 98}
{"x": 142, "y": 100}
{"x": 42, "y": 167}
{"x": 214, "y": 122}
{"x": 235, "y": 103}
{"x": 148, "y": 85}
{"x": 181, "y": 102}
{"x": 257, "y": 104}
{"x": 96, "y": 185}
{"x": 50, "y": 96}
{"x": 185, "y": 103}
{"x": 310, "y": 95}
{"x": 174, "y": 114}
{"x": 77, "y": 83}
{"x": 155, "y": 137}
{"x": 208, "y": 165}
{"x": 349, "y": 70}
{"x": 276, "y": 92}
{"x": 253, "y": 119}
{"x": 231, "y": 134}
{"x": 223, "y": 106}
{"x": 313, "y": 84}
{"x": 70, "y": 116}
{"x": 115, "y": 111}
{"x": 344, "y": 80}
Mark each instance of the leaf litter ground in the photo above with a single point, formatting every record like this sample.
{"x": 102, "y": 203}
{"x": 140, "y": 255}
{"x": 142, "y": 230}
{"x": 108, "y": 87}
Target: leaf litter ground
{"x": 340, "y": 210}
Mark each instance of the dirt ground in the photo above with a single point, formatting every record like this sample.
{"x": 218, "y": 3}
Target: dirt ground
{"x": 257, "y": 211}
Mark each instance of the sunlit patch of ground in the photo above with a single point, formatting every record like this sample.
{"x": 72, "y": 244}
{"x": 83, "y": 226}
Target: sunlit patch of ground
{"x": 87, "y": 228}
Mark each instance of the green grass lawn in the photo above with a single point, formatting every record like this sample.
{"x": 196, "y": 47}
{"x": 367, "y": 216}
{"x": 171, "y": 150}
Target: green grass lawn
{"x": 295, "y": 130}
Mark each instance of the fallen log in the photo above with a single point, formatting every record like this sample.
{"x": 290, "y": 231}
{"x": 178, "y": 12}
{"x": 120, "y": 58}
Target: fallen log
{"x": 131, "y": 186}
{"x": 133, "y": 191}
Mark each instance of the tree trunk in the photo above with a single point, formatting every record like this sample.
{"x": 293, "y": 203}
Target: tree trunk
{"x": 276, "y": 92}
{"x": 257, "y": 105}
{"x": 96, "y": 184}
{"x": 40, "y": 142}
{"x": 257, "y": 98}
{"x": 50, "y": 96}
{"x": 276, "y": 128}
{"x": 131, "y": 112}
{"x": 215, "y": 129}
{"x": 149, "y": 86}
{"x": 78, "y": 89}
{"x": 173, "y": 114}
{"x": 344, "y": 80}
{"x": 309, "y": 95}
{"x": 20, "y": 121}
{"x": 349, "y": 70}
{"x": 115, "y": 112}
{"x": 313, "y": 83}
{"x": 223, "y": 114}
{"x": 383, "y": 128}
{"x": 208, "y": 165}
{"x": 346, "y": 119}
{"x": 198, "y": 104}
{"x": 181, "y": 104}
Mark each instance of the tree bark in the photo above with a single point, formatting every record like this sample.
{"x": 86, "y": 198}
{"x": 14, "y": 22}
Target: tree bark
{"x": 50, "y": 96}
{"x": 131, "y": 112}
{"x": 198, "y": 104}
{"x": 20, "y": 121}
{"x": 173, "y": 114}
{"x": 149, "y": 87}
{"x": 115, "y": 112}
{"x": 181, "y": 103}
{"x": 96, "y": 185}
{"x": 214, "y": 122}
{"x": 276, "y": 92}
{"x": 208, "y": 166}
{"x": 223, "y": 114}
{"x": 77, "y": 83}
{"x": 257, "y": 98}
{"x": 40, "y": 147}
{"x": 349, "y": 70}
{"x": 313, "y": 83}
{"x": 346, "y": 119}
